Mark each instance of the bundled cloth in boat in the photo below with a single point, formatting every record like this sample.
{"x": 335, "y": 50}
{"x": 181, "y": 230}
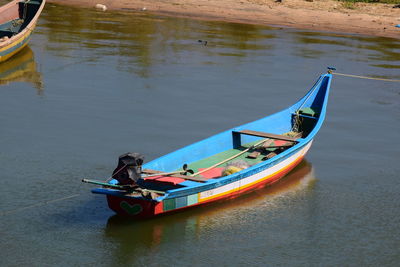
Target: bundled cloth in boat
{"x": 129, "y": 168}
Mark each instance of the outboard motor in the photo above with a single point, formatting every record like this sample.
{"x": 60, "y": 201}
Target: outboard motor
{"x": 129, "y": 168}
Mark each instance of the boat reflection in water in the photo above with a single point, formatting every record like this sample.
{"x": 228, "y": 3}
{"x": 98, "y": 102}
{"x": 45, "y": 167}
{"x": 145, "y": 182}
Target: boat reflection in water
{"x": 140, "y": 237}
{"x": 21, "y": 68}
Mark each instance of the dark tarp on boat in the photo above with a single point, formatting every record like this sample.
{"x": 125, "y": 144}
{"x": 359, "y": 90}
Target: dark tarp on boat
{"x": 129, "y": 168}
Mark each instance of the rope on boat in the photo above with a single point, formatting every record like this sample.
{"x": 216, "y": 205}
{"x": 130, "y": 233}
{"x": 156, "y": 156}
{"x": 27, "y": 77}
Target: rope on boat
{"x": 112, "y": 176}
{"x": 365, "y": 77}
{"x": 297, "y": 121}
{"x": 37, "y": 205}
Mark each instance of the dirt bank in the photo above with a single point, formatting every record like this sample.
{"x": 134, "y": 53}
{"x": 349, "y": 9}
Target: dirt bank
{"x": 322, "y": 15}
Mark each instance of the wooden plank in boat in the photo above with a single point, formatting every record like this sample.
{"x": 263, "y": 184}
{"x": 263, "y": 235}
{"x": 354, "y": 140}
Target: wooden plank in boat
{"x": 268, "y": 135}
{"x": 270, "y": 155}
{"x": 148, "y": 171}
{"x": 193, "y": 178}
{"x": 190, "y": 178}
{"x": 254, "y": 155}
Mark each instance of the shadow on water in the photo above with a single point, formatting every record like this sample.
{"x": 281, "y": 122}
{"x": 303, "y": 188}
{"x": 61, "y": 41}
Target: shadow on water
{"x": 21, "y": 68}
{"x": 135, "y": 237}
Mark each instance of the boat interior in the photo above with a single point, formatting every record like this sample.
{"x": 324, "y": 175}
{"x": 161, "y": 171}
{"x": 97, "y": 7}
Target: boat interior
{"x": 14, "y": 19}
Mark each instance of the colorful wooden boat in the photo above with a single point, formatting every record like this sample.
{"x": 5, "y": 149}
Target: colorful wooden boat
{"x": 17, "y": 22}
{"x": 223, "y": 166}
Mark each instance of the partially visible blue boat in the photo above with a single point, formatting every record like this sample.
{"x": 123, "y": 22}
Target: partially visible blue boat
{"x": 223, "y": 166}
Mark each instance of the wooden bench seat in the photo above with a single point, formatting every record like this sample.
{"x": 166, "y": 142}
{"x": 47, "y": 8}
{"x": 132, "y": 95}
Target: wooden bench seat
{"x": 237, "y": 140}
{"x": 268, "y": 135}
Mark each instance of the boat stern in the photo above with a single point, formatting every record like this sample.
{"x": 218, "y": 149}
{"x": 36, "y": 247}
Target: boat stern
{"x": 134, "y": 207}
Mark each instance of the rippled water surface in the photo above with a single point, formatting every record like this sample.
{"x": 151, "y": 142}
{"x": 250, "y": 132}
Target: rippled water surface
{"x": 94, "y": 85}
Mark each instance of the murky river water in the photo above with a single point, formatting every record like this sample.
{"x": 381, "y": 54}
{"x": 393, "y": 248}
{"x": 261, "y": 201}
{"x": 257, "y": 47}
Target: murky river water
{"x": 94, "y": 85}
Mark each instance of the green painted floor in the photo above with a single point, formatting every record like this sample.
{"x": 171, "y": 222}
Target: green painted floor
{"x": 210, "y": 161}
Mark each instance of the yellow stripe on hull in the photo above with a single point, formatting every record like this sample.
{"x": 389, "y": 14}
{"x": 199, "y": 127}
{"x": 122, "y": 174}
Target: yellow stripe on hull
{"x": 23, "y": 39}
{"x": 4, "y": 58}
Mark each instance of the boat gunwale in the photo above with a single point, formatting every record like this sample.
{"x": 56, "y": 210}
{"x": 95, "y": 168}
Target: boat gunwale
{"x": 28, "y": 28}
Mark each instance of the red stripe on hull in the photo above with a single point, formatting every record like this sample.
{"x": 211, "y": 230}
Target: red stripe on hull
{"x": 133, "y": 207}
{"x": 141, "y": 209}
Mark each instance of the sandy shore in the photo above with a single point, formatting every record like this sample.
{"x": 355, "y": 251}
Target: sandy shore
{"x": 321, "y": 15}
